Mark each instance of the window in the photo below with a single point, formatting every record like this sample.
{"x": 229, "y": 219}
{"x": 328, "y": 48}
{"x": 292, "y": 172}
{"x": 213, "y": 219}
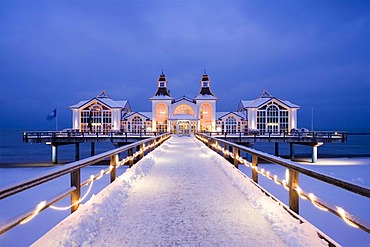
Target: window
{"x": 205, "y": 84}
{"x": 161, "y": 115}
{"x": 205, "y": 117}
{"x": 161, "y": 84}
{"x": 137, "y": 124}
{"x": 272, "y": 118}
{"x": 96, "y": 118}
{"x": 183, "y": 109}
{"x": 231, "y": 125}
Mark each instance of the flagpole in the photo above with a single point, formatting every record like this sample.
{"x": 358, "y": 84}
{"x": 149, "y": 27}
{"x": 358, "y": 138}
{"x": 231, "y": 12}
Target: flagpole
{"x": 56, "y": 119}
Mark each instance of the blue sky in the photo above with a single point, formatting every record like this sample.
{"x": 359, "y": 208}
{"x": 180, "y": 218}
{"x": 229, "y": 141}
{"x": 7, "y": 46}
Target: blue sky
{"x": 313, "y": 53}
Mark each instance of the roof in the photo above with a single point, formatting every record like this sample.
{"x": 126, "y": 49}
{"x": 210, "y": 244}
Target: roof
{"x": 205, "y": 92}
{"x": 183, "y": 98}
{"x": 104, "y": 99}
{"x": 205, "y": 97}
{"x": 147, "y": 115}
{"x": 263, "y": 99}
{"x": 219, "y": 115}
{"x": 162, "y": 91}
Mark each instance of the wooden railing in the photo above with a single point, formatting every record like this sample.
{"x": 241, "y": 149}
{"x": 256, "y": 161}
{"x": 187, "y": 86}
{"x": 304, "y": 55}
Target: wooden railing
{"x": 135, "y": 152}
{"x": 231, "y": 152}
{"x": 322, "y": 135}
{"x": 54, "y": 135}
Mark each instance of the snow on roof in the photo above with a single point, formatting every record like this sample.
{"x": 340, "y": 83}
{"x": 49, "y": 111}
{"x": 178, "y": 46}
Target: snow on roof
{"x": 161, "y": 97}
{"x": 104, "y": 99}
{"x": 205, "y": 97}
{"x": 147, "y": 115}
{"x": 261, "y": 101}
{"x": 219, "y": 115}
{"x": 183, "y": 98}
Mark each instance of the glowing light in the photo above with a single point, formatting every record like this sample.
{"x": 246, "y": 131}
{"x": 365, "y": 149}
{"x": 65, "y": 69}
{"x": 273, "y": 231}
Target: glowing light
{"x": 299, "y": 191}
{"x": 313, "y": 200}
{"x": 343, "y": 214}
{"x": 287, "y": 175}
{"x": 79, "y": 200}
{"x": 276, "y": 180}
{"x": 285, "y": 184}
{"x": 40, "y": 206}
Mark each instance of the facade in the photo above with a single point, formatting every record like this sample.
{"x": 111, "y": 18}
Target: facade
{"x": 184, "y": 115}
{"x": 268, "y": 114}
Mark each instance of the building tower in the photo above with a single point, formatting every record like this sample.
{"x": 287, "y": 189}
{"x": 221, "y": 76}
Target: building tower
{"x": 161, "y": 103}
{"x": 206, "y": 105}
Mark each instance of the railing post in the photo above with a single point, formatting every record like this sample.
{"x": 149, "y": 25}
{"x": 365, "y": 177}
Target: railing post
{"x": 113, "y": 163}
{"x": 142, "y": 148}
{"x": 254, "y": 172}
{"x": 236, "y": 154}
{"x": 75, "y": 195}
{"x": 130, "y": 153}
{"x": 293, "y": 195}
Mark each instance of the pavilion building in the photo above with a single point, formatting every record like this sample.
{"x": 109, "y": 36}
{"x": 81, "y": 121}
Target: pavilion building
{"x": 184, "y": 115}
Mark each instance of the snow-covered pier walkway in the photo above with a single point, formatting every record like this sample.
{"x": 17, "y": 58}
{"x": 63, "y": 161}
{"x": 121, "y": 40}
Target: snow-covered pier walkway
{"x": 181, "y": 194}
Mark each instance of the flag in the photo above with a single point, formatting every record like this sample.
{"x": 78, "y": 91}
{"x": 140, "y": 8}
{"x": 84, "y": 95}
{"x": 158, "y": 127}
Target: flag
{"x": 52, "y": 115}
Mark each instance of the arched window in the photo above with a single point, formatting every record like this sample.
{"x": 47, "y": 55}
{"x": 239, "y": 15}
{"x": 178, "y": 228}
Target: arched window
{"x": 205, "y": 117}
{"x": 183, "y": 109}
{"x": 136, "y": 124}
{"x": 161, "y": 116}
{"x": 230, "y": 125}
{"x": 272, "y": 118}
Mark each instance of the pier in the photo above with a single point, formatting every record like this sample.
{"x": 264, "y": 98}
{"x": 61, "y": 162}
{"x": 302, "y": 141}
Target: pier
{"x": 177, "y": 199}
{"x": 313, "y": 139}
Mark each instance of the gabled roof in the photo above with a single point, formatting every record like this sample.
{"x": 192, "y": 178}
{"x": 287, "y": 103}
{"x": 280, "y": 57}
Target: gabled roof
{"x": 183, "y": 98}
{"x": 263, "y": 99}
{"x": 147, "y": 115}
{"x": 105, "y": 100}
{"x": 220, "y": 115}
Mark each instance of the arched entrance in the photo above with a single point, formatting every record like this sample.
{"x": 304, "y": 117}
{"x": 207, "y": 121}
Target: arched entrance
{"x": 183, "y": 127}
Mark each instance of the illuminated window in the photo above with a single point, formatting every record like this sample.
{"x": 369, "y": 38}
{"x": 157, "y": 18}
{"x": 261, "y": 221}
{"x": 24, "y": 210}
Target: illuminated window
{"x": 96, "y": 118}
{"x": 161, "y": 115}
{"x": 231, "y": 125}
{"x": 183, "y": 109}
{"x": 272, "y": 118}
{"x": 205, "y": 117}
{"x": 136, "y": 124}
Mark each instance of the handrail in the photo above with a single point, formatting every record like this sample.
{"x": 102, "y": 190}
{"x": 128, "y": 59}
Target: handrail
{"x": 73, "y": 169}
{"x": 326, "y": 135}
{"x": 292, "y": 184}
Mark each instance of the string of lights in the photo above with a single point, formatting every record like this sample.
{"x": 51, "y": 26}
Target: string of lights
{"x": 42, "y": 205}
{"x": 284, "y": 182}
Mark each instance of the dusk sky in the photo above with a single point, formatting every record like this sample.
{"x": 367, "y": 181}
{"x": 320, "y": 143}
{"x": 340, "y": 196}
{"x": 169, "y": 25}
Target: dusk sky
{"x": 314, "y": 53}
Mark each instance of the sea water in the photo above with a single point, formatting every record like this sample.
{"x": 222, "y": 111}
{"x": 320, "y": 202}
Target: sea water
{"x": 14, "y": 151}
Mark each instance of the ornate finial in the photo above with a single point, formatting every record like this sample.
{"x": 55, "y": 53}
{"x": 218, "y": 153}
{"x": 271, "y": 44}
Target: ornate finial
{"x": 162, "y": 72}
{"x": 205, "y": 71}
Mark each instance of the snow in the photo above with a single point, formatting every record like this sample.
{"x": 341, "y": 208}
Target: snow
{"x": 169, "y": 198}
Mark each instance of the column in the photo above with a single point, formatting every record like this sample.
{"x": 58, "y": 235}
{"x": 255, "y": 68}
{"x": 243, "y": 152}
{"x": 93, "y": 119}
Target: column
{"x": 276, "y": 149}
{"x": 314, "y": 154}
{"x": 54, "y": 153}
{"x": 291, "y": 148}
{"x": 77, "y": 151}
{"x": 92, "y": 148}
